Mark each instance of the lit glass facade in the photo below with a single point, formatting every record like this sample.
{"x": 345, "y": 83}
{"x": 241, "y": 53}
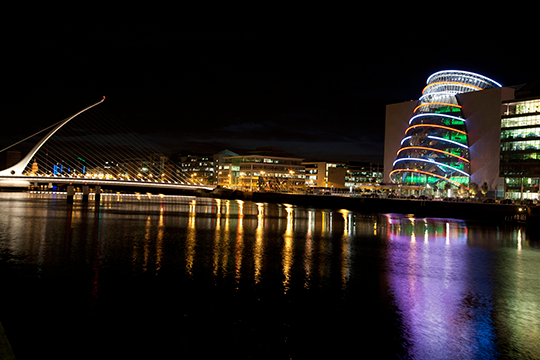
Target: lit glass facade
{"x": 262, "y": 172}
{"x": 361, "y": 175}
{"x": 434, "y": 149}
{"x": 520, "y": 148}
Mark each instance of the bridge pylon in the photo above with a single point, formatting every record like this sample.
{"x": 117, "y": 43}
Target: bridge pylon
{"x": 18, "y": 168}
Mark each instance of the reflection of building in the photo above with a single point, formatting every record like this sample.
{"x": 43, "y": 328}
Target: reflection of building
{"x": 426, "y": 292}
{"x": 262, "y": 172}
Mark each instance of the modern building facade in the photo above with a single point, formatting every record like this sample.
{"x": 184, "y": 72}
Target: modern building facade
{"x": 340, "y": 175}
{"x": 435, "y": 146}
{"x": 450, "y": 137}
{"x": 262, "y": 172}
{"x": 520, "y": 148}
{"x": 199, "y": 169}
{"x": 323, "y": 174}
{"x": 363, "y": 175}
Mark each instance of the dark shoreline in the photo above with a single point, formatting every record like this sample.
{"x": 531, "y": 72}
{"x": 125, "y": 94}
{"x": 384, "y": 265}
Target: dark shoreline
{"x": 420, "y": 208}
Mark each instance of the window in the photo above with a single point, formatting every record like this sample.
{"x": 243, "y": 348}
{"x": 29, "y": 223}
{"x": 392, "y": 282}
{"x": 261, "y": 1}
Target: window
{"x": 528, "y": 107}
{"x": 520, "y": 121}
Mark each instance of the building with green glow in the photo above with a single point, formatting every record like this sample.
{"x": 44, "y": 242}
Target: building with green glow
{"x": 520, "y": 145}
{"x": 450, "y": 137}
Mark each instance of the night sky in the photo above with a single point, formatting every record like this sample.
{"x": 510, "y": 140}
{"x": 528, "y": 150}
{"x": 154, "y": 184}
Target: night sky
{"x": 314, "y": 84}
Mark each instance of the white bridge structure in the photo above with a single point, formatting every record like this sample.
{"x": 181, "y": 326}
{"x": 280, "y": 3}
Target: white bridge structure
{"x": 131, "y": 167}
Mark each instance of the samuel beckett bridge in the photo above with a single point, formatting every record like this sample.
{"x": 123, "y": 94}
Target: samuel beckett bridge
{"x": 92, "y": 148}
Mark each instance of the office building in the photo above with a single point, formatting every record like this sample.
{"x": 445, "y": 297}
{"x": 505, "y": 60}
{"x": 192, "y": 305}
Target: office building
{"x": 262, "y": 173}
{"x": 520, "y": 147}
{"x": 339, "y": 175}
{"x": 321, "y": 174}
{"x": 361, "y": 175}
{"x": 199, "y": 169}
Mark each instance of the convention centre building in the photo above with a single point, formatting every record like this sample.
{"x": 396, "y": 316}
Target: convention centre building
{"x": 466, "y": 129}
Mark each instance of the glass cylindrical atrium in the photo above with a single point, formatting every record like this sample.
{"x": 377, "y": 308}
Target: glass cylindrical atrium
{"x": 434, "y": 149}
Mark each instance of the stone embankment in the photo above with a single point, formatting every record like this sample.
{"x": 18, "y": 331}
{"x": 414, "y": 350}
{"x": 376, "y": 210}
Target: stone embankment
{"x": 431, "y": 208}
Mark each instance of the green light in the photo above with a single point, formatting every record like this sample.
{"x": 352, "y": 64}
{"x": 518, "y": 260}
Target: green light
{"x": 447, "y": 109}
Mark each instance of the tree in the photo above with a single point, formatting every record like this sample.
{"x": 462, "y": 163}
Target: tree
{"x": 484, "y": 189}
{"x": 473, "y": 189}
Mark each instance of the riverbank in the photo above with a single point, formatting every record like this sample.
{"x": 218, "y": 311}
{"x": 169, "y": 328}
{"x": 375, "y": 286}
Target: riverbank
{"x": 431, "y": 208}
{"x": 420, "y": 208}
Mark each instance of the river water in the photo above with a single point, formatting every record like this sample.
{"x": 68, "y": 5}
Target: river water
{"x": 196, "y": 278}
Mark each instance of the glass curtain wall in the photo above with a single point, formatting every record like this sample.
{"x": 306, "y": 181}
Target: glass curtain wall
{"x": 520, "y": 149}
{"x": 434, "y": 150}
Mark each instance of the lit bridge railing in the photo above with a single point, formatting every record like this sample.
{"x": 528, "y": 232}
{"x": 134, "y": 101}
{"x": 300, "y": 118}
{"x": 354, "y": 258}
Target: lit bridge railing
{"x": 24, "y": 181}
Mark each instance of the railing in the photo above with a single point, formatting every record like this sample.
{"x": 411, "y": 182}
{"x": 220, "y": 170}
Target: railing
{"x": 140, "y": 183}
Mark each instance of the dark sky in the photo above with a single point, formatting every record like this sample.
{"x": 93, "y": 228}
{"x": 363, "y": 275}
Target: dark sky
{"x": 315, "y": 85}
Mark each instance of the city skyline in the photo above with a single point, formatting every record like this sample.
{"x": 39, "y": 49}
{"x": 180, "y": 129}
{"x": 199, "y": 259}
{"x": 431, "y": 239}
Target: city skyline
{"x": 317, "y": 90}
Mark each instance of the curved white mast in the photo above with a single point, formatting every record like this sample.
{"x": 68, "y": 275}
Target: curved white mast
{"x": 18, "y": 168}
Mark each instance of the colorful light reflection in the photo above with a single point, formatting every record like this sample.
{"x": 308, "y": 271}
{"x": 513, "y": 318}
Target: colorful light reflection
{"x": 427, "y": 263}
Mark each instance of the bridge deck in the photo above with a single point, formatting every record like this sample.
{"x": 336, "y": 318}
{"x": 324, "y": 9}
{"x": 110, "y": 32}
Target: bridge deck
{"x": 97, "y": 181}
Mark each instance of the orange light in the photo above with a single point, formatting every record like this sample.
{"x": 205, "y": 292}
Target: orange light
{"x": 430, "y": 174}
{"x": 426, "y": 148}
{"x": 433, "y": 125}
{"x": 436, "y": 103}
{"x": 452, "y": 83}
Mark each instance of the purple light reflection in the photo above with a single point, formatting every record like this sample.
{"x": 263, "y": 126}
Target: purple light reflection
{"x": 429, "y": 277}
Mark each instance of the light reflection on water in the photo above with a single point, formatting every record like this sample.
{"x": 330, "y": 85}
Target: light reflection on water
{"x": 426, "y": 275}
{"x": 455, "y": 297}
{"x": 455, "y": 289}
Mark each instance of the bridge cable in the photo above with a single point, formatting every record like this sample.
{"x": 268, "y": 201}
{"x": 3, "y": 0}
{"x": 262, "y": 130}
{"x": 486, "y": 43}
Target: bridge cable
{"x": 31, "y": 136}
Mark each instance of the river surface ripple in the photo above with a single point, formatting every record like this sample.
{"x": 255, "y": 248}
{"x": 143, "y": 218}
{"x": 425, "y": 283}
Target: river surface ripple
{"x": 196, "y": 278}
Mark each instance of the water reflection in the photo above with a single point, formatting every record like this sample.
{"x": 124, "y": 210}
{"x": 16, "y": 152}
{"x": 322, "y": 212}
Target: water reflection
{"x": 445, "y": 290}
{"x": 288, "y": 251}
{"x": 239, "y": 243}
{"x": 345, "y": 246}
{"x": 258, "y": 246}
{"x": 309, "y": 248}
{"x": 191, "y": 238}
{"x": 458, "y": 290}
{"x": 425, "y": 277}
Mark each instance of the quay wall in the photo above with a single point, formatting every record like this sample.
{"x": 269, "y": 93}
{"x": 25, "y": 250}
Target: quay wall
{"x": 420, "y": 208}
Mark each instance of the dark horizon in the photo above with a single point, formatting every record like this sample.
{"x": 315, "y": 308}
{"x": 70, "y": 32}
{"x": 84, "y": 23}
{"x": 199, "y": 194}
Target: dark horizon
{"x": 315, "y": 89}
